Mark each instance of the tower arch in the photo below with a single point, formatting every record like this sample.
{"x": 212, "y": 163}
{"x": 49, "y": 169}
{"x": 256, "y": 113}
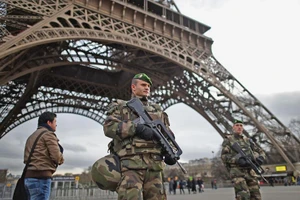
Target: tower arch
{"x": 43, "y": 60}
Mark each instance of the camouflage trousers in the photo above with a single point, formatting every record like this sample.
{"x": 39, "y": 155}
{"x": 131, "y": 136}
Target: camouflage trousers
{"x": 246, "y": 184}
{"x": 141, "y": 185}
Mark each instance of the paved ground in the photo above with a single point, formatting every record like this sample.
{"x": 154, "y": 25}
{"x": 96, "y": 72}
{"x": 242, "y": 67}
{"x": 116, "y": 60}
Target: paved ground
{"x": 268, "y": 193}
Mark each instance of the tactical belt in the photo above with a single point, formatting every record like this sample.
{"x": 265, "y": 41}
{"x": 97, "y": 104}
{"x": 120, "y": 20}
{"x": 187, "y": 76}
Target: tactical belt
{"x": 144, "y": 150}
{"x": 241, "y": 168}
{"x": 154, "y": 156}
{"x": 126, "y": 141}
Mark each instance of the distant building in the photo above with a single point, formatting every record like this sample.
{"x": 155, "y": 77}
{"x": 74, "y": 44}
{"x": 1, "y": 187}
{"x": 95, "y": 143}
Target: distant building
{"x": 197, "y": 168}
{"x": 64, "y": 182}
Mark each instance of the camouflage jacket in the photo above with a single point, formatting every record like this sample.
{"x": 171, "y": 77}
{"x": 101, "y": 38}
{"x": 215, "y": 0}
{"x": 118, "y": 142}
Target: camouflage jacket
{"x": 119, "y": 125}
{"x": 229, "y": 156}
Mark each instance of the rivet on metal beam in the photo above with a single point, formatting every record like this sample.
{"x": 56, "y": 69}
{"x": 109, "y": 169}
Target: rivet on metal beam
{"x": 134, "y": 17}
{"x": 99, "y": 4}
{"x": 145, "y": 19}
{"x": 154, "y": 24}
{"x": 124, "y": 12}
{"x": 112, "y": 7}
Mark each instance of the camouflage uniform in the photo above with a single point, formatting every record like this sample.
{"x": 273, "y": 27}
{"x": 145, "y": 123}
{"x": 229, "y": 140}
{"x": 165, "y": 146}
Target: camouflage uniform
{"x": 141, "y": 161}
{"x": 245, "y": 180}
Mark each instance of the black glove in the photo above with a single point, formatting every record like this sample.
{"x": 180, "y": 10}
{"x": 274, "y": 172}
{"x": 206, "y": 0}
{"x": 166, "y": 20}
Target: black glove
{"x": 169, "y": 161}
{"x": 242, "y": 162}
{"x": 144, "y": 132}
{"x": 260, "y": 160}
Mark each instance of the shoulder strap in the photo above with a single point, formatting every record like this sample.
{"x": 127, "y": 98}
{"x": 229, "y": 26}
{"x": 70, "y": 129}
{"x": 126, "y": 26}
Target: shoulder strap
{"x": 31, "y": 152}
{"x": 229, "y": 137}
{"x": 156, "y": 106}
{"x": 121, "y": 103}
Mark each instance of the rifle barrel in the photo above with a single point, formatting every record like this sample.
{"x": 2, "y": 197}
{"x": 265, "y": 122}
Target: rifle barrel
{"x": 264, "y": 179}
{"x": 182, "y": 168}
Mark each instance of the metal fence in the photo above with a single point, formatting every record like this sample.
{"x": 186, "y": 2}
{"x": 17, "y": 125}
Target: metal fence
{"x": 82, "y": 194}
{"x": 6, "y": 192}
{"x": 66, "y": 194}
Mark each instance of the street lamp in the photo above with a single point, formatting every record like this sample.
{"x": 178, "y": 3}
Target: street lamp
{"x": 213, "y": 153}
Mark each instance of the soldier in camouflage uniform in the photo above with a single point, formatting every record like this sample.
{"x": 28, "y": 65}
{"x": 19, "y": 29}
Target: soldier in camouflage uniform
{"x": 140, "y": 155}
{"x": 244, "y": 178}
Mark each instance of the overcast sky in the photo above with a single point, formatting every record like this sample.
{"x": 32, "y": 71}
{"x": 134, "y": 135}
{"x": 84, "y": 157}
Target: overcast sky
{"x": 256, "y": 40}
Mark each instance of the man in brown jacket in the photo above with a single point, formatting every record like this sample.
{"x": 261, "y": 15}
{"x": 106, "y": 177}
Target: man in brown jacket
{"x": 47, "y": 155}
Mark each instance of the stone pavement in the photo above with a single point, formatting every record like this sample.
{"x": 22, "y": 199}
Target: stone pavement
{"x": 268, "y": 193}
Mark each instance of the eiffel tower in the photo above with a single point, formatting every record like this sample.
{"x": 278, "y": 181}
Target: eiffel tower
{"x": 76, "y": 56}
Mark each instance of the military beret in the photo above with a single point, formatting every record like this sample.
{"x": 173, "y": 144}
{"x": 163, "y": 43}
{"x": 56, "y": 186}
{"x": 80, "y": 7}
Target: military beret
{"x": 237, "y": 121}
{"x": 143, "y": 77}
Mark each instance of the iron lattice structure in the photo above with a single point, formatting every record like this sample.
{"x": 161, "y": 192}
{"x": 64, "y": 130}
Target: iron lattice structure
{"x": 76, "y": 56}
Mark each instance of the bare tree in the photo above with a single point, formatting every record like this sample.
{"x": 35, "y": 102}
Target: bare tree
{"x": 218, "y": 169}
{"x": 173, "y": 172}
{"x": 85, "y": 177}
{"x": 294, "y": 126}
{"x": 3, "y": 175}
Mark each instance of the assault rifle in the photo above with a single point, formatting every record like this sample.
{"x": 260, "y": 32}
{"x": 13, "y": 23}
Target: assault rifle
{"x": 162, "y": 134}
{"x": 256, "y": 167}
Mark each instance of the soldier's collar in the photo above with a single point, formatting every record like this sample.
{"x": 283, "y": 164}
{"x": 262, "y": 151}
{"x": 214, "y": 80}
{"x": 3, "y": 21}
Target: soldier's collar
{"x": 144, "y": 100}
{"x": 237, "y": 135}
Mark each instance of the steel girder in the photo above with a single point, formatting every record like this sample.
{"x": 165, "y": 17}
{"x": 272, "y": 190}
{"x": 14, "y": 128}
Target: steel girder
{"x": 76, "y": 56}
